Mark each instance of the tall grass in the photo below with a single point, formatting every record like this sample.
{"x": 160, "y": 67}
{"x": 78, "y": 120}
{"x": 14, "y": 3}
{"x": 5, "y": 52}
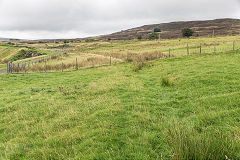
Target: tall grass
{"x": 212, "y": 144}
{"x": 138, "y": 64}
{"x": 145, "y": 56}
{"x": 43, "y": 66}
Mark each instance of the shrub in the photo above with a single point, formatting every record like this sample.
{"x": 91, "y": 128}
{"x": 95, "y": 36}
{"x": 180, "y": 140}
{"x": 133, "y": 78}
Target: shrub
{"x": 10, "y": 43}
{"x": 66, "y": 41}
{"x": 187, "y": 32}
{"x": 24, "y": 53}
{"x": 139, "y": 37}
{"x": 153, "y": 36}
{"x": 89, "y": 40}
{"x": 157, "y": 30}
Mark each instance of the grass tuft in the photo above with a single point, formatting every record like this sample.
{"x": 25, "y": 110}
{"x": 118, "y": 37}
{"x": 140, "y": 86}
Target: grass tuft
{"x": 168, "y": 81}
{"x": 138, "y": 64}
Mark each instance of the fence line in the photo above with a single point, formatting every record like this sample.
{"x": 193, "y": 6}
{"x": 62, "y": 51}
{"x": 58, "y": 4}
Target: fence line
{"x": 25, "y": 65}
{"x": 17, "y": 66}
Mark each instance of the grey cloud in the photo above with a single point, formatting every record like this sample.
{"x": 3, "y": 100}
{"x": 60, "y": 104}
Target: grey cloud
{"x": 79, "y": 18}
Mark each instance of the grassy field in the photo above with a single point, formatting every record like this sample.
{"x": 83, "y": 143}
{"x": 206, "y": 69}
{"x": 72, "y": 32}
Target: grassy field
{"x": 91, "y": 54}
{"x": 178, "y": 47}
{"x": 179, "y": 108}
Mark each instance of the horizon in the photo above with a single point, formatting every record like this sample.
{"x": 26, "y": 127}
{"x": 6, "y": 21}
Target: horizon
{"x": 9, "y": 38}
{"x": 57, "y": 19}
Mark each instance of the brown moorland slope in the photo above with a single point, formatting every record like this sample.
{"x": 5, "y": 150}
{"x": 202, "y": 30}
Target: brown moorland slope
{"x": 205, "y": 28}
{"x": 171, "y": 30}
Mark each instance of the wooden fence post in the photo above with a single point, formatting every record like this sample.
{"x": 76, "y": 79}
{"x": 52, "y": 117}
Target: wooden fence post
{"x": 18, "y": 68}
{"x": 28, "y": 66}
{"x": 8, "y": 67}
{"x": 45, "y": 63}
{"x": 12, "y": 66}
{"x": 25, "y": 69}
{"x": 200, "y": 48}
{"x": 169, "y": 52}
{"x": 110, "y": 60}
{"x": 187, "y": 49}
{"x": 233, "y": 45}
{"x": 214, "y": 47}
{"x": 62, "y": 66}
{"x": 76, "y": 63}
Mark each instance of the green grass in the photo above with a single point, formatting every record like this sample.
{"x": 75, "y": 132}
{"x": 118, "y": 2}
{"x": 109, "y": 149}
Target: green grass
{"x": 179, "y": 108}
{"x": 3, "y": 68}
{"x": 6, "y": 51}
{"x": 178, "y": 47}
{"x": 122, "y": 51}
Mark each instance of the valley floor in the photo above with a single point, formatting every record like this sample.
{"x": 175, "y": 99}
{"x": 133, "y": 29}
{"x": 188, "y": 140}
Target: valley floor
{"x": 180, "y": 108}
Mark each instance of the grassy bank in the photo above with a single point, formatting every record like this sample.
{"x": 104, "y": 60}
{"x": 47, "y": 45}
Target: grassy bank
{"x": 6, "y": 51}
{"x": 181, "y": 108}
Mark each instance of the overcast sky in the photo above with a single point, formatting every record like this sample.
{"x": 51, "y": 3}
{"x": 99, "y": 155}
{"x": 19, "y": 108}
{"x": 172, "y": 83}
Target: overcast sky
{"x": 40, "y": 19}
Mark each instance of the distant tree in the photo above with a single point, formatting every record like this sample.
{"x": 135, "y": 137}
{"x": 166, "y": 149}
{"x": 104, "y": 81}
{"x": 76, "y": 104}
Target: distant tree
{"x": 139, "y": 37}
{"x": 153, "y": 36}
{"x": 89, "y": 40}
{"x": 157, "y": 30}
{"x": 187, "y": 32}
{"x": 66, "y": 41}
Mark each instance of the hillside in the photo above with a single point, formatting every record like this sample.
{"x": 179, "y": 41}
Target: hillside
{"x": 221, "y": 27}
{"x": 92, "y": 54}
{"x": 179, "y": 108}
{"x": 6, "y": 51}
{"x": 173, "y": 30}
{"x": 123, "y": 100}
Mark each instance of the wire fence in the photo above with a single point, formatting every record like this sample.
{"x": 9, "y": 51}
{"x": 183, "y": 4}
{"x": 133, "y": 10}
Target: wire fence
{"x": 42, "y": 64}
{"x": 24, "y": 65}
